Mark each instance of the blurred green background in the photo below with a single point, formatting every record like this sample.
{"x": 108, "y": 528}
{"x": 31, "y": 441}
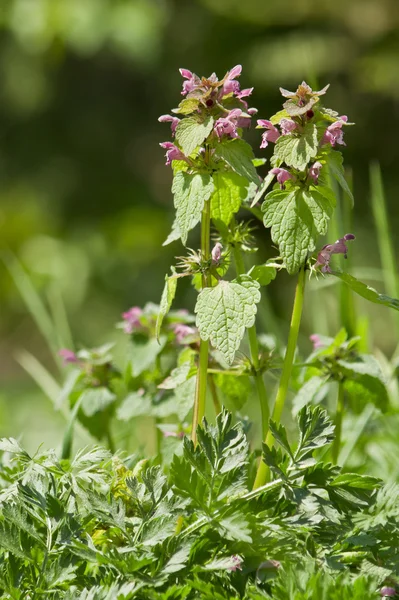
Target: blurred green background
{"x": 85, "y": 200}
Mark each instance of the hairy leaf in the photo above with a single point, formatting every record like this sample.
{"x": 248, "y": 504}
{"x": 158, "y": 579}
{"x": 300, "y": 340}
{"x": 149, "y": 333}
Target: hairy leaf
{"x": 223, "y": 313}
{"x": 230, "y": 191}
{"x": 297, "y": 151}
{"x": 238, "y": 155}
{"x": 335, "y": 165}
{"x": 190, "y": 194}
{"x": 167, "y": 298}
{"x": 191, "y": 133}
{"x": 365, "y": 291}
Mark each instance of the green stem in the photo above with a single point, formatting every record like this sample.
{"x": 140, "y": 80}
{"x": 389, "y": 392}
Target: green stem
{"x": 254, "y": 351}
{"x": 216, "y": 403}
{"x": 263, "y": 471}
{"x": 338, "y": 423}
{"x": 202, "y": 374}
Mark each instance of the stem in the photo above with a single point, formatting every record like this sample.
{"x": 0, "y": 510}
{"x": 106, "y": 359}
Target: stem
{"x": 216, "y": 403}
{"x": 338, "y": 423}
{"x": 263, "y": 470}
{"x": 254, "y": 351}
{"x": 200, "y": 390}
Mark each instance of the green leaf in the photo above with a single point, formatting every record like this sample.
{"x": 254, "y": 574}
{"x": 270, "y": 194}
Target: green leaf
{"x": 238, "y": 155}
{"x": 230, "y": 191}
{"x": 95, "y": 400}
{"x": 262, "y": 189}
{"x": 292, "y": 226}
{"x": 354, "y": 480}
{"x": 191, "y": 133}
{"x": 280, "y": 435}
{"x": 167, "y": 298}
{"x": 307, "y": 393}
{"x": 296, "y": 218}
{"x": 190, "y": 194}
{"x": 263, "y": 274}
{"x": 174, "y": 235}
{"x": 134, "y": 405}
{"x": 281, "y": 114}
{"x": 223, "y": 313}
{"x": 142, "y": 353}
{"x": 335, "y": 165}
{"x": 316, "y": 430}
{"x": 186, "y": 106}
{"x": 365, "y": 291}
{"x": 235, "y": 527}
{"x": 297, "y": 150}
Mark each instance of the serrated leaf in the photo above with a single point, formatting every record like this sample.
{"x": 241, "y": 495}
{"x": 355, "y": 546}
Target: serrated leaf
{"x": 174, "y": 235}
{"x": 235, "y": 527}
{"x": 296, "y": 150}
{"x": 296, "y": 218}
{"x": 191, "y": 133}
{"x": 190, "y": 194}
{"x": 223, "y": 313}
{"x": 307, "y": 393}
{"x": 365, "y": 291}
{"x": 315, "y": 431}
{"x": 280, "y": 435}
{"x": 95, "y": 400}
{"x": 167, "y": 298}
{"x": 292, "y": 226}
{"x": 335, "y": 165}
{"x": 263, "y": 274}
{"x": 263, "y": 188}
{"x": 230, "y": 191}
{"x": 11, "y": 445}
{"x": 186, "y": 106}
{"x": 281, "y": 114}
{"x": 238, "y": 155}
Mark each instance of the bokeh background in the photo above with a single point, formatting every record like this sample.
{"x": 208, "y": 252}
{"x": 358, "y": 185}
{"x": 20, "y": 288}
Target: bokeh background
{"x": 85, "y": 200}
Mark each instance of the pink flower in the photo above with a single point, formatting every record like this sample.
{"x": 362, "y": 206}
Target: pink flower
{"x": 182, "y": 331}
{"x": 228, "y": 125}
{"x": 237, "y": 563}
{"x": 132, "y": 318}
{"x": 174, "y": 121}
{"x": 314, "y": 171}
{"x": 339, "y": 247}
{"x": 271, "y": 135}
{"x": 245, "y": 93}
{"x": 231, "y": 86}
{"x": 287, "y": 125}
{"x": 252, "y": 111}
{"x": 282, "y": 175}
{"x": 192, "y": 82}
{"x": 174, "y": 434}
{"x": 172, "y": 152}
{"x": 68, "y": 356}
{"x": 334, "y": 134}
{"x": 316, "y": 341}
{"x": 217, "y": 253}
{"x": 387, "y": 592}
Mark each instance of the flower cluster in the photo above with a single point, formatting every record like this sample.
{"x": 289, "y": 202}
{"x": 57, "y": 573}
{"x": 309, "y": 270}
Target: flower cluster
{"x": 223, "y": 100}
{"x": 300, "y": 110}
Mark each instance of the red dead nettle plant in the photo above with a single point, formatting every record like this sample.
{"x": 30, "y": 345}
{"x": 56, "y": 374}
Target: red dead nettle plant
{"x": 214, "y": 176}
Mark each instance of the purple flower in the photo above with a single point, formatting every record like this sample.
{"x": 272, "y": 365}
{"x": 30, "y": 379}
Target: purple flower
{"x": 237, "y": 563}
{"x": 174, "y": 121}
{"x": 287, "y": 125}
{"x": 228, "y": 125}
{"x": 339, "y": 247}
{"x": 244, "y": 93}
{"x": 252, "y": 111}
{"x": 387, "y": 592}
{"x": 314, "y": 171}
{"x": 168, "y": 434}
{"x": 172, "y": 152}
{"x": 182, "y": 331}
{"x": 217, "y": 253}
{"x": 192, "y": 82}
{"x": 230, "y": 85}
{"x": 68, "y": 356}
{"x": 282, "y": 175}
{"x": 271, "y": 135}
{"x": 316, "y": 341}
{"x": 334, "y": 134}
{"x": 132, "y": 319}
